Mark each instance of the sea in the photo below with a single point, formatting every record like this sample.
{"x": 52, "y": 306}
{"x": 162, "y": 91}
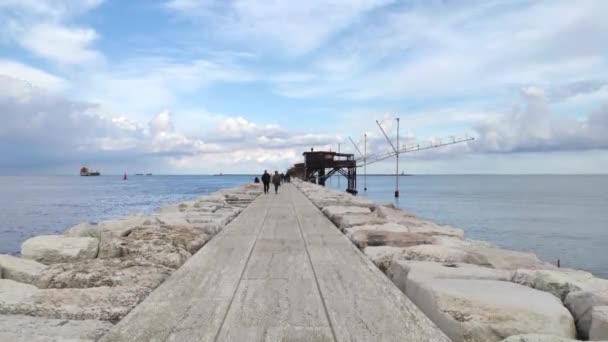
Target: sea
{"x": 556, "y": 217}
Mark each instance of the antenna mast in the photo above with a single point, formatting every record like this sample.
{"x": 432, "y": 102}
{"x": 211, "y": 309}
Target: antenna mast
{"x": 396, "y": 152}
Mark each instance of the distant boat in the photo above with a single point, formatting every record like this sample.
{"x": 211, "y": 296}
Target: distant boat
{"x": 148, "y": 174}
{"x": 219, "y": 174}
{"x": 125, "y": 176}
{"x": 139, "y": 174}
{"x": 84, "y": 171}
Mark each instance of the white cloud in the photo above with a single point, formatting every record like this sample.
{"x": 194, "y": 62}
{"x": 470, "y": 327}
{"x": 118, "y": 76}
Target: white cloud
{"x": 33, "y": 76}
{"x": 146, "y": 84}
{"x": 440, "y": 49}
{"x": 534, "y": 129}
{"x": 51, "y": 129}
{"x": 61, "y": 44}
{"x": 293, "y": 27}
{"x": 41, "y": 27}
{"x": 239, "y": 128}
{"x": 52, "y": 9}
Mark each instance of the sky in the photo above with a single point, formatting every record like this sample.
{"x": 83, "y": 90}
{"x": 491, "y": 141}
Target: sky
{"x": 202, "y": 86}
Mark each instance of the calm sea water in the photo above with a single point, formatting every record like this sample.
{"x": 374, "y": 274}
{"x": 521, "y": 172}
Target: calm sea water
{"x": 563, "y": 217}
{"x": 48, "y": 205}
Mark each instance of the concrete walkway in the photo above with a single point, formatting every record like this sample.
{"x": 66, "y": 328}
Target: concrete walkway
{"x": 279, "y": 272}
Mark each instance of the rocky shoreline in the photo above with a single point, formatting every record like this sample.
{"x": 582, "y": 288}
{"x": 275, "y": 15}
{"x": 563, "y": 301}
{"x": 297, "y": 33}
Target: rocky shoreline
{"x": 76, "y": 286}
{"x": 472, "y": 290}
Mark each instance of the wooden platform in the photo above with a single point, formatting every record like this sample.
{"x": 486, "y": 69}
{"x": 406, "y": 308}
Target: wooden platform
{"x": 279, "y": 272}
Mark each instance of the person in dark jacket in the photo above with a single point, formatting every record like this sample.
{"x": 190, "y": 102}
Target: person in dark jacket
{"x": 266, "y": 181}
{"x": 276, "y": 180}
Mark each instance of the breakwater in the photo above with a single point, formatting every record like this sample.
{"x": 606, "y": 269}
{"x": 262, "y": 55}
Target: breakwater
{"x": 283, "y": 269}
{"x": 75, "y": 286}
{"x": 472, "y": 290}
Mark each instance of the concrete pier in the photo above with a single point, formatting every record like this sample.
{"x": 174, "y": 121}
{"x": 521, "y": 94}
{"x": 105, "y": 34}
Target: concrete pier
{"x": 281, "y": 271}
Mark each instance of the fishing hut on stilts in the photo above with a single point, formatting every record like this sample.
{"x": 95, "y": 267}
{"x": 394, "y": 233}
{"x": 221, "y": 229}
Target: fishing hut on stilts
{"x": 320, "y": 165}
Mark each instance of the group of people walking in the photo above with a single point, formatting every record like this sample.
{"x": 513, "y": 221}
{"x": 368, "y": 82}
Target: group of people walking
{"x": 276, "y": 180}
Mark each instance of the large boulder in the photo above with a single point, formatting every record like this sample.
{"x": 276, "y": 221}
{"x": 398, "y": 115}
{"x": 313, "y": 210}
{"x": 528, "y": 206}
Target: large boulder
{"x": 100, "y": 303}
{"x": 599, "y": 323}
{"x": 387, "y": 227}
{"x": 581, "y": 304}
{"x": 443, "y": 254}
{"x": 382, "y": 256}
{"x": 435, "y": 229}
{"x": 172, "y": 219}
{"x": 339, "y": 210}
{"x": 116, "y": 227}
{"x": 456, "y": 242}
{"x": 558, "y": 283}
{"x": 49, "y": 249}
{"x": 489, "y": 310}
{"x": 168, "y": 246}
{"x": 19, "y": 269}
{"x": 364, "y": 238}
{"x": 352, "y": 220}
{"x": 536, "y": 338}
{"x": 416, "y": 225}
{"x": 402, "y": 271}
{"x": 104, "y": 272}
{"x": 510, "y": 260}
{"x": 85, "y": 229}
{"x": 392, "y": 214}
{"x": 20, "y": 328}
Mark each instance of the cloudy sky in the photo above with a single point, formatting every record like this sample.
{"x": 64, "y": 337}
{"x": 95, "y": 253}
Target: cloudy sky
{"x": 203, "y": 86}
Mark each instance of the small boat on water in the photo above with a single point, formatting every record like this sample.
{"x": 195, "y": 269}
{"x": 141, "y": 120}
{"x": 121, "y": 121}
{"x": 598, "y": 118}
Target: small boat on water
{"x": 84, "y": 171}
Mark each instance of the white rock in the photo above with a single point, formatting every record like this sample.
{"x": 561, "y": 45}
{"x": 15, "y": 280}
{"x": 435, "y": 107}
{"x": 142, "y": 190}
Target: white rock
{"x": 599, "y": 323}
{"x": 117, "y": 227}
{"x": 124, "y": 226}
{"x": 49, "y": 249}
{"x": 392, "y": 214}
{"x": 455, "y": 242}
{"x": 434, "y": 229}
{"x": 416, "y": 225}
{"x": 364, "y": 238}
{"x": 169, "y": 246}
{"x": 101, "y": 303}
{"x": 441, "y": 254}
{"x": 18, "y": 269}
{"x": 104, "y": 272}
{"x": 536, "y": 338}
{"x": 557, "y": 283}
{"x": 339, "y": 210}
{"x": 12, "y": 292}
{"x": 19, "y": 328}
{"x": 387, "y": 227}
{"x": 510, "y": 260}
{"x": 581, "y": 304}
{"x": 351, "y": 220}
{"x": 85, "y": 229}
{"x": 401, "y": 270}
{"x": 382, "y": 256}
{"x": 489, "y": 310}
{"x": 172, "y": 219}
